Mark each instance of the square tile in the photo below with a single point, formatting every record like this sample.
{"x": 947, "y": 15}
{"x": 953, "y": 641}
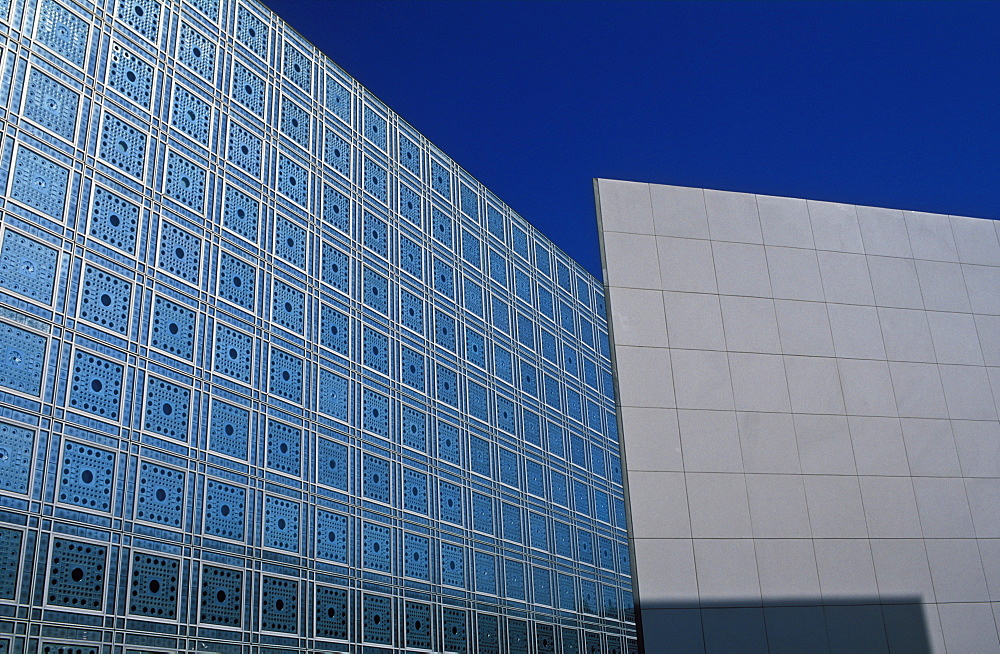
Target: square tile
{"x": 814, "y": 385}
{"x": 944, "y": 508}
{"x": 957, "y": 570}
{"x": 835, "y": 508}
{"x": 883, "y": 232}
{"x": 878, "y": 446}
{"x": 867, "y": 388}
{"x": 710, "y": 441}
{"x": 930, "y": 447}
{"x": 685, "y": 264}
{"x": 983, "y": 285}
{"x": 906, "y": 335}
{"x": 845, "y": 278}
{"x": 694, "y": 321}
{"x": 918, "y": 390}
{"x": 637, "y": 317}
{"x": 624, "y": 207}
{"x": 976, "y": 239}
{"x": 719, "y": 507}
{"x": 750, "y": 324}
{"x": 727, "y": 570}
{"x": 846, "y": 570}
{"x": 741, "y": 269}
{"x": 665, "y": 572}
{"x": 835, "y": 226}
{"x": 794, "y": 274}
{"x": 890, "y": 507}
{"x": 824, "y": 444}
{"x": 785, "y": 221}
{"x": 804, "y": 328}
{"x": 902, "y": 571}
{"x": 931, "y": 236}
{"x": 955, "y": 337}
{"x": 645, "y": 378}
{"x": 733, "y": 216}
{"x": 679, "y": 211}
{"x": 702, "y": 379}
{"x": 856, "y": 331}
{"x": 630, "y": 260}
{"x": 968, "y": 627}
{"x": 778, "y": 507}
{"x": 984, "y": 500}
{"x": 658, "y": 505}
{"x": 988, "y": 328}
{"x": 767, "y": 441}
{"x": 759, "y": 382}
{"x": 787, "y": 569}
{"x": 650, "y": 439}
{"x": 978, "y": 444}
{"x": 967, "y": 392}
{"x": 895, "y": 282}
{"x": 942, "y": 286}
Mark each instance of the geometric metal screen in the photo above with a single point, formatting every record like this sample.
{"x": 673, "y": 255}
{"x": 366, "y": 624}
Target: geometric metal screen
{"x": 276, "y": 374}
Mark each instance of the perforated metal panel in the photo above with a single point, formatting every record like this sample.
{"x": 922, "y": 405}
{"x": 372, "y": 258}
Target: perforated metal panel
{"x": 39, "y": 183}
{"x": 167, "y": 408}
{"x": 225, "y": 510}
{"x": 281, "y": 524}
{"x": 130, "y": 75}
{"x": 221, "y": 597}
{"x": 23, "y": 359}
{"x": 122, "y": 146}
{"x": 77, "y": 574}
{"x": 455, "y": 629}
{"x": 284, "y": 446}
{"x": 173, "y": 328}
{"x": 331, "y": 536}
{"x": 86, "y": 476}
{"x": 331, "y": 613}
{"x": 51, "y": 104}
{"x": 377, "y": 619}
{"x": 230, "y": 428}
{"x": 10, "y": 558}
{"x": 418, "y": 625}
{"x": 279, "y": 607}
{"x": 105, "y": 300}
{"x": 160, "y": 496}
{"x": 153, "y": 586}
{"x": 376, "y": 547}
{"x": 114, "y": 220}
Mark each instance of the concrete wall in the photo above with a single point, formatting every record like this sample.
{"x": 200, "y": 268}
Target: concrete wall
{"x": 808, "y": 409}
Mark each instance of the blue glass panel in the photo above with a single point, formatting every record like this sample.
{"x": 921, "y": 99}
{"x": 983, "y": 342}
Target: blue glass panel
{"x": 51, "y": 104}
{"x": 332, "y": 616}
{"x": 154, "y": 586}
{"x": 96, "y": 385}
{"x": 377, "y": 619}
{"x": 41, "y": 183}
{"x": 27, "y": 266}
{"x": 86, "y": 476}
{"x": 77, "y": 574}
{"x": 417, "y": 556}
{"x": 160, "y": 496}
{"x": 281, "y": 524}
{"x": 225, "y": 510}
{"x": 452, "y": 565}
{"x": 331, "y": 536}
{"x": 298, "y": 68}
{"x": 17, "y": 444}
{"x": 279, "y": 605}
{"x": 221, "y": 597}
{"x": 23, "y": 361}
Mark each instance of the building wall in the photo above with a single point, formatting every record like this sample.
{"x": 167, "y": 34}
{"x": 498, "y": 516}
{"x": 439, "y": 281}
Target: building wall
{"x": 808, "y": 400}
{"x": 277, "y": 374}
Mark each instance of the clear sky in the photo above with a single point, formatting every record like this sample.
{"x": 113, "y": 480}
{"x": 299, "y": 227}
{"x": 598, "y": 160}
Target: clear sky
{"x": 891, "y": 104}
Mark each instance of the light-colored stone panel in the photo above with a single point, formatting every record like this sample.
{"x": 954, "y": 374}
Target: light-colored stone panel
{"x": 625, "y": 207}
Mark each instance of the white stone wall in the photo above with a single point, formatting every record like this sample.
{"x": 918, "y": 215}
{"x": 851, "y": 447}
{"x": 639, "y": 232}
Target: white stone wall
{"x": 808, "y": 398}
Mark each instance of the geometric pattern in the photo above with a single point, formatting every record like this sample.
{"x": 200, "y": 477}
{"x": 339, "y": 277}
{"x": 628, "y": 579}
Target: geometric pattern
{"x": 274, "y": 369}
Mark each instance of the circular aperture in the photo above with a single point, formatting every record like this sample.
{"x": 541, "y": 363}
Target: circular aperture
{"x": 87, "y": 476}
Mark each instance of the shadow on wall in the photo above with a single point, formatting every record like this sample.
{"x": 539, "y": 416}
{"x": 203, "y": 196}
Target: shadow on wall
{"x": 857, "y": 625}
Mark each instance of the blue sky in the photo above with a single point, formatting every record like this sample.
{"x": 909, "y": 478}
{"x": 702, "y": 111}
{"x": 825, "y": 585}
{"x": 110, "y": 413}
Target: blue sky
{"x": 890, "y": 104}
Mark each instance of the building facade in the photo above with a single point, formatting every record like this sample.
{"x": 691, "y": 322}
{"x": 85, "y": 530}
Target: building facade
{"x": 808, "y": 395}
{"x": 277, "y": 374}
